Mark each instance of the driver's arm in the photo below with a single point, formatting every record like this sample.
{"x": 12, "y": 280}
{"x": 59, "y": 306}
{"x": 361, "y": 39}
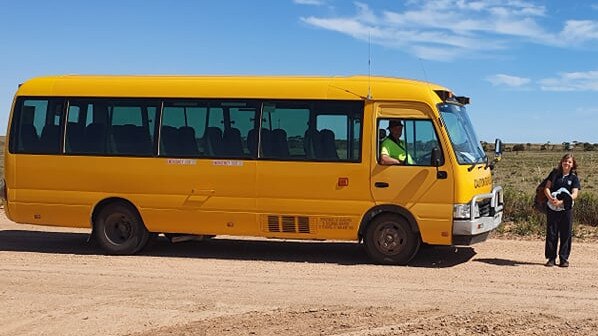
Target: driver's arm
{"x": 387, "y": 160}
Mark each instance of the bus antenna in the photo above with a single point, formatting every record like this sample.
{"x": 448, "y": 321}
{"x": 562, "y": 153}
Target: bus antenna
{"x": 369, "y": 96}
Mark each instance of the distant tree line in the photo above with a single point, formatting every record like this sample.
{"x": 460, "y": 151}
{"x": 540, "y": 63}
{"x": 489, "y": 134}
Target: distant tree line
{"x": 565, "y": 146}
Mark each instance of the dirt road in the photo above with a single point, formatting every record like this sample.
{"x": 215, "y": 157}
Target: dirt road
{"x": 53, "y": 283}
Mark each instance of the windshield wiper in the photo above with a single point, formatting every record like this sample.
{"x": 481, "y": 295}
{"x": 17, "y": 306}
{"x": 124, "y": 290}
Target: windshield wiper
{"x": 488, "y": 164}
{"x": 479, "y": 160}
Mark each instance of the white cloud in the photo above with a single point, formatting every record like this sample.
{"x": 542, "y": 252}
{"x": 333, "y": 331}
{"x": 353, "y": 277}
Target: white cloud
{"x": 447, "y": 29}
{"x": 350, "y": 27}
{"x": 565, "y": 81}
{"x": 571, "y": 81}
{"x": 508, "y": 80}
{"x": 580, "y": 30}
{"x": 310, "y": 2}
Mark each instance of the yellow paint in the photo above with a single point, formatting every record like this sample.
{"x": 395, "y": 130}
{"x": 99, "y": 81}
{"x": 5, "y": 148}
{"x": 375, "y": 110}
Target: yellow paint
{"x": 236, "y": 197}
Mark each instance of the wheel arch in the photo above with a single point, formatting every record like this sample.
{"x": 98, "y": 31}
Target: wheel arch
{"x": 384, "y": 209}
{"x": 112, "y": 200}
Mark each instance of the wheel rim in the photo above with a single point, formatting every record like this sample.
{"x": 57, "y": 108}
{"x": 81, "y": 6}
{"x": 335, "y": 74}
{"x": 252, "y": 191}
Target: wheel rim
{"x": 119, "y": 228}
{"x": 390, "y": 239}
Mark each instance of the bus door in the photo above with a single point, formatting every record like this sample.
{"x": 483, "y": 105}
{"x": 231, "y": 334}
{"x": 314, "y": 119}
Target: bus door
{"x": 415, "y": 184}
{"x": 210, "y": 161}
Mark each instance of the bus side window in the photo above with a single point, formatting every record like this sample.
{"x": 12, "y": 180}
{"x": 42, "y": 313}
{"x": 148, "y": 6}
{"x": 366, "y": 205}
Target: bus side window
{"x": 37, "y": 127}
{"x": 239, "y": 120}
{"x": 187, "y": 141}
{"x": 232, "y": 143}
{"x": 50, "y": 137}
{"x": 182, "y": 123}
{"x": 279, "y": 143}
{"x": 328, "y": 143}
{"x": 131, "y": 129}
{"x": 212, "y": 140}
{"x": 28, "y": 138}
{"x": 283, "y": 130}
{"x": 313, "y": 131}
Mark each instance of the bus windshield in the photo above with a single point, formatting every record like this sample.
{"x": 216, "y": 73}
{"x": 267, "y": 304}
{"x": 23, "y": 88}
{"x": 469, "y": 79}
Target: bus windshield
{"x": 463, "y": 138}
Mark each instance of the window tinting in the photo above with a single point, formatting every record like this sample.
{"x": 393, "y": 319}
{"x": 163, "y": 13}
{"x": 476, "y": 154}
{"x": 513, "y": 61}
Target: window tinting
{"x": 111, "y": 127}
{"x": 281, "y": 130}
{"x": 216, "y": 129}
{"x": 37, "y": 126}
{"x": 313, "y": 130}
{"x": 183, "y": 123}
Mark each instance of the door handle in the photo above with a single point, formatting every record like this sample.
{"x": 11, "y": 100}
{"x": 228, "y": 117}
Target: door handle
{"x": 381, "y": 185}
{"x": 199, "y": 195}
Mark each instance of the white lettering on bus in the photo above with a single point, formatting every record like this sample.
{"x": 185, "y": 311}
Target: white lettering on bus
{"x": 229, "y": 163}
{"x": 181, "y": 162}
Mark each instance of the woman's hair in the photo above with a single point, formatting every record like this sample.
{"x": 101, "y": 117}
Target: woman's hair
{"x": 566, "y": 157}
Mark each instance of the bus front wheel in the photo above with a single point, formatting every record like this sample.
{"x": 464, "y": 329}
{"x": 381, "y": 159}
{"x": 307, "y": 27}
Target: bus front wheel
{"x": 120, "y": 230}
{"x": 390, "y": 240}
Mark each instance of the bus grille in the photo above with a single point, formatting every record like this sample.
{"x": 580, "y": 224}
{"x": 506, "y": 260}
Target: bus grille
{"x": 288, "y": 224}
{"x": 273, "y": 224}
{"x": 484, "y": 207}
{"x": 303, "y": 223}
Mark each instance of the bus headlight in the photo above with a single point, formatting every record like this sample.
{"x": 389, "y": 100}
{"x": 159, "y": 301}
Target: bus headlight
{"x": 462, "y": 211}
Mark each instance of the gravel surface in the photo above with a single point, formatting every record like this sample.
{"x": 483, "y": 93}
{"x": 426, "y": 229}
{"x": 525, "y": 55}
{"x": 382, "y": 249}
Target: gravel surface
{"x": 52, "y": 282}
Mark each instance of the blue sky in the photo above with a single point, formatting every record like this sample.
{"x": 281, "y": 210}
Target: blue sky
{"x": 530, "y": 67}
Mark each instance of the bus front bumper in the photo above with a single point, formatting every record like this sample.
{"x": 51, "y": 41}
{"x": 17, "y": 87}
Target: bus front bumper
{"x": 471, "y": 231}
{"x": 467, "y": 232}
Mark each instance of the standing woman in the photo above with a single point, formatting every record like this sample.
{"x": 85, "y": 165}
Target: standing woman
{"x": 561, "y": 190}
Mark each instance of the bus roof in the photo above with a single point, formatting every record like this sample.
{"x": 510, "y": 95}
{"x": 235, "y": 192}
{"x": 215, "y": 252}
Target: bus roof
{"x": 273, "y": 87}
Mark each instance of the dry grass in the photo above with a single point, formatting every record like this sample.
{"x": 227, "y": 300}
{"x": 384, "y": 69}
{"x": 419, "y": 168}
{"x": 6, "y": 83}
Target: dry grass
{"x": 520, "y": 172}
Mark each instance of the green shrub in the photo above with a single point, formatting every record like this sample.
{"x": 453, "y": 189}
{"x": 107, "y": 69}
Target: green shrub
{"x": 526, "y": 221}
{"x": 518, "y": 209}
{"x": 586, "y": 209}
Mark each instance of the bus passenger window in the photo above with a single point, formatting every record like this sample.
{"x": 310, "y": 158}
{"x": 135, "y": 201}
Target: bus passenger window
{"x": 37, "y": 128}
{"x": 183, "y": 123}
{"x": 313, "y": 131}
{"x": 111, "y": 127}
{"x": 28, "y": 136}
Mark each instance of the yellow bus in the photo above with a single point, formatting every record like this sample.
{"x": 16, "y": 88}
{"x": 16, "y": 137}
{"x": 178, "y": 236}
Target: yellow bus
{"x": 278, "y": 157}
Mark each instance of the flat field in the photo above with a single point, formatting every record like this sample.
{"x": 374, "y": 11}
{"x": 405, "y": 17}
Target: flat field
{"x": 522, "y": 171}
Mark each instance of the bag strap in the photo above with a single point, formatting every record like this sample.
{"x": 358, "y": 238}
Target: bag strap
{"x": 552, "y": 177}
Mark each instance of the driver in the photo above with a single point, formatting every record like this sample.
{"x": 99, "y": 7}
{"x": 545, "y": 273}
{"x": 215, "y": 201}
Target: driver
{"x": 393, "y": 150}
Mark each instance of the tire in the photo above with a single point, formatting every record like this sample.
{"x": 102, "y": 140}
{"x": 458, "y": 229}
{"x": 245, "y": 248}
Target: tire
{"x": 389, "y": 240}
{"x": 119, "y": 230}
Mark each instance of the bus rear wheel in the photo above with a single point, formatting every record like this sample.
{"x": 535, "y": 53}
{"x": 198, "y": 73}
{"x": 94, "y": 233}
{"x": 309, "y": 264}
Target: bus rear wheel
{"x": 120, "y": 230}
{"x": 390, "y": 240}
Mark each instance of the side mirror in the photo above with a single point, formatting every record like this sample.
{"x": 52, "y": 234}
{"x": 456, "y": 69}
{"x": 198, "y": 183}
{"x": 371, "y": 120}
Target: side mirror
{"x": 497, "y": 149}
{"x": 436, "y": 157}
{"x": 436, "y": 162}
{"x": 497, "y": 154}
